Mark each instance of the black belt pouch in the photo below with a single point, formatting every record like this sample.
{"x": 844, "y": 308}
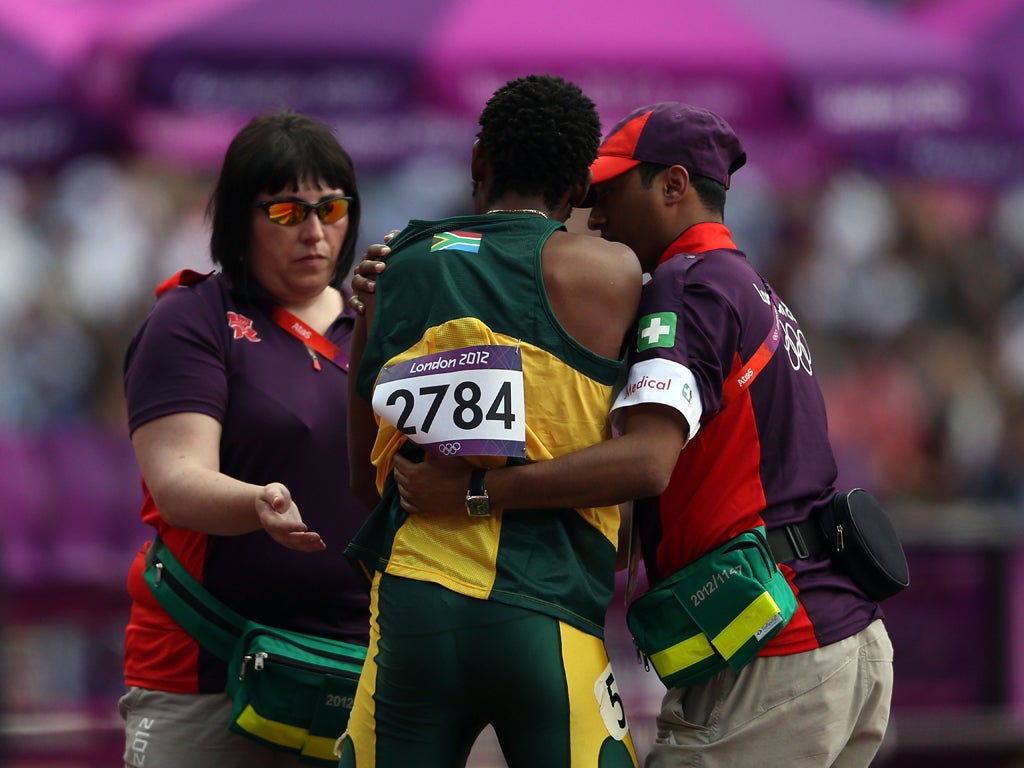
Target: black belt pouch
{"x": 863, "y": 540}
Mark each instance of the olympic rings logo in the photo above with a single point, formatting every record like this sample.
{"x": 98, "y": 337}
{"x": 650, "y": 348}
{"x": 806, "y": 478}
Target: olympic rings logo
{"x": 449, "y": 449}
{"x": 797, "y": 349}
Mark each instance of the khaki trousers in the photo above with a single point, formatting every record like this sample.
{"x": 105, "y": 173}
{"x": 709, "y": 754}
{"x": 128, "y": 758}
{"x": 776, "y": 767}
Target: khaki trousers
{"x": 184, "y": 730}
{"x": 821, "y": 708}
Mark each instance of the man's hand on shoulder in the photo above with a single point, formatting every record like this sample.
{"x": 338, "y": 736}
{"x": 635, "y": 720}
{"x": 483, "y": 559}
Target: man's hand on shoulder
{"x": 364, "y": 277}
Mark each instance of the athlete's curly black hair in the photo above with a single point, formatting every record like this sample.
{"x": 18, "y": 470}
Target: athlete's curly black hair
{"x": 541, "y": 133}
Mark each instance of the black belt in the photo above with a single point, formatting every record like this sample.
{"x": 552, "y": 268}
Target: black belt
{"x": 797, "y": 541}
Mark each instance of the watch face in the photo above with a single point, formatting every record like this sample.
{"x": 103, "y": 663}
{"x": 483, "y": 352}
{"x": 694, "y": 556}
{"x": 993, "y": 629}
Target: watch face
{"x": 478, "y": 506}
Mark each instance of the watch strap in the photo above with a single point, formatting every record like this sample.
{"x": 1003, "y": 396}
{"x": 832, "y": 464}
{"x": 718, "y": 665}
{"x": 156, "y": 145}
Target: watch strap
{"x": 476, "y": 482}
{"x": 477, "y": 502}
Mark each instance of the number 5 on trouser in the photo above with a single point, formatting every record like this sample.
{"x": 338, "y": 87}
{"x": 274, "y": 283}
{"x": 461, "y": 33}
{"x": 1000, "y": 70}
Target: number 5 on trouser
{"x": 545, "y": 687}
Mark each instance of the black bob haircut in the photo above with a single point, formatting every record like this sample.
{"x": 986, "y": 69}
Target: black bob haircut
{"x": 276, "y": 152}
{"x": 541, "y": 133}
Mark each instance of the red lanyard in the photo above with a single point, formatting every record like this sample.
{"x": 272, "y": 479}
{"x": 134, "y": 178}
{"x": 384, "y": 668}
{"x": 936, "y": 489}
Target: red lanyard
{"x": 314, "y": 341}
{"x": 741, "y": 376}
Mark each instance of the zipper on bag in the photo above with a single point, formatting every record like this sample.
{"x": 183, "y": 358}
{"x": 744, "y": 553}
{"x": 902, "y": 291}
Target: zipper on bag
{"x": 258, "y": 661}
{"x": 163, "y": 575}
{"x": 355, "y": 661}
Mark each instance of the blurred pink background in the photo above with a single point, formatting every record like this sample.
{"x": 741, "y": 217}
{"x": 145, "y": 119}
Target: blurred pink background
{"x": 884, "y": 197}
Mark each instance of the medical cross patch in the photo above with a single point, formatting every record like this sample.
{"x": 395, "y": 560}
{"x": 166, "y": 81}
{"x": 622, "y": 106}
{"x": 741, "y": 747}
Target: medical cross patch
{"x": 657, "y": 330}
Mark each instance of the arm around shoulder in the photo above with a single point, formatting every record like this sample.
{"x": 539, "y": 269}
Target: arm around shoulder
{"x": 636, "y": 465}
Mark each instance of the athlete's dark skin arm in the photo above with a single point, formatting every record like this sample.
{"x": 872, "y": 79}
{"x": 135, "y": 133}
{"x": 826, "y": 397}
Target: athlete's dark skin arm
{"x": 636, "y": 465}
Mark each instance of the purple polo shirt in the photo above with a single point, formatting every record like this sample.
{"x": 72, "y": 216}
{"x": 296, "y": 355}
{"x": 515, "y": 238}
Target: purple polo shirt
{"x": 762, "y": 459}
{"x": 203, "y": 350}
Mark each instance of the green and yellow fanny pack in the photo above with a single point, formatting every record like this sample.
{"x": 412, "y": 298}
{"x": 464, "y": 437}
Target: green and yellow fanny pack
{"x": 716, "y": 613}
{"x": 290, "y": 690}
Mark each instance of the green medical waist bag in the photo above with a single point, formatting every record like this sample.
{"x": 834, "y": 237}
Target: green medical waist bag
{"x": 716, "y": 613}
{"x": 290, "y": 690}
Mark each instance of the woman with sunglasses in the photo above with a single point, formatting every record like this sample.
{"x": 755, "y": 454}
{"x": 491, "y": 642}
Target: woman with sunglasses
{"x": 236, "y": 392}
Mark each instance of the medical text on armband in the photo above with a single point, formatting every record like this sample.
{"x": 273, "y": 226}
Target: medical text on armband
{"x": 646, "y": 382}
{"x": 721, "y": 577}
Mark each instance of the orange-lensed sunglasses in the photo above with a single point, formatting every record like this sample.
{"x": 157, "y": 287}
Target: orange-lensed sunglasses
{"x": 290, "y": 213}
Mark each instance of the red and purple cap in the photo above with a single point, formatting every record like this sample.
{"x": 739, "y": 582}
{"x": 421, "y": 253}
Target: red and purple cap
{"x": 671, "y": 133}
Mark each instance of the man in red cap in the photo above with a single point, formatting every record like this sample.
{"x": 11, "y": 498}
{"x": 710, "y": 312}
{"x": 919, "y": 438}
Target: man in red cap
{"x": 724, "y": 444}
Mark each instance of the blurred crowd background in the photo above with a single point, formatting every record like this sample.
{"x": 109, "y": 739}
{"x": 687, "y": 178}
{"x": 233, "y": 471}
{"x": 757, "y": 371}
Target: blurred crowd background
{"x": 884, "y": 197}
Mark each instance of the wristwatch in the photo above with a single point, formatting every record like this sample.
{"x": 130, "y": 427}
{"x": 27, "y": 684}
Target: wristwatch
{"x": 478, "y": 504}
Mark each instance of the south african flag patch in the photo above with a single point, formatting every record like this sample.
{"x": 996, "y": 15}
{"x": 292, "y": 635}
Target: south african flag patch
{"x": 457, "y": 241}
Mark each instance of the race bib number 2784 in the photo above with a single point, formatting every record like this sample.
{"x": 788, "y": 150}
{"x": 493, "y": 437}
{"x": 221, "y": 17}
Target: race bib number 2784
{"x": 462, "y": 402}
